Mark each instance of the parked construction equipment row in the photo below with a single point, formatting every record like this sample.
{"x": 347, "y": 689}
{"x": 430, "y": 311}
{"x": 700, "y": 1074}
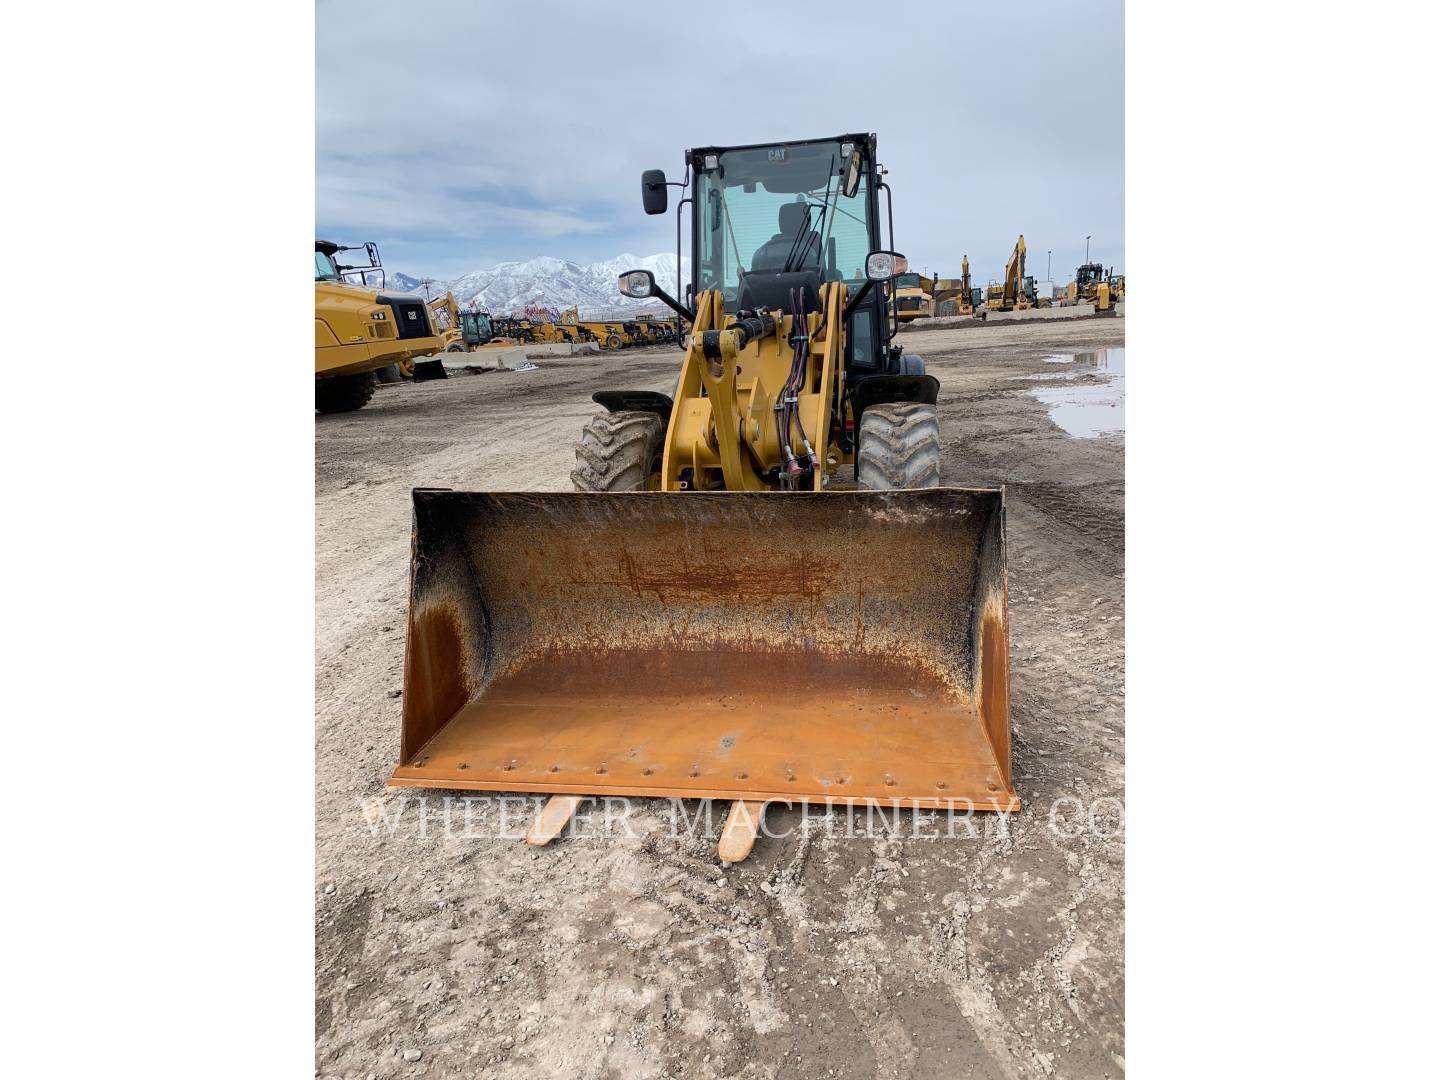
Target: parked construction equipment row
{"x": 917, "y": 296}
{"x": 366, "y": 334}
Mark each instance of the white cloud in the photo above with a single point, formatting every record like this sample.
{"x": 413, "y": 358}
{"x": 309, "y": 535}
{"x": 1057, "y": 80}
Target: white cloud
{"x": 501, "y": 131}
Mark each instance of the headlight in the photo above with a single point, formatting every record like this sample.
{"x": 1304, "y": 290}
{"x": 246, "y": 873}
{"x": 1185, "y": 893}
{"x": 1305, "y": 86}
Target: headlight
{"x": 880, "y": 265}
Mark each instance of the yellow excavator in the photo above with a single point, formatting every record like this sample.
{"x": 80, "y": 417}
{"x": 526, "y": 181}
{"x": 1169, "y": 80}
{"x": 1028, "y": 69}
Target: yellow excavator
{"x": 758, "y": 590}
{"x": 1010, "y": 295}
{"x": 360, "y": 328}
{"x": 955, "y": 296}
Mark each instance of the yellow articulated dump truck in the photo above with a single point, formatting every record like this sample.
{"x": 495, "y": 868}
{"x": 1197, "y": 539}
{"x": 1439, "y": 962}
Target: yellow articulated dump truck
{"x": 758, "y": 591}
{"x": 912, "y": 296}
{"x": 361, "y": 328}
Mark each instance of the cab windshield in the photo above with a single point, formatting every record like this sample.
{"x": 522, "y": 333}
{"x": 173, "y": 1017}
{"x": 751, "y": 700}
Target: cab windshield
{"x": 779, "y": 208}
{"x": 474, "y": 324}
{"x": 907, "y": 281}
{"x": 325, "y": 269}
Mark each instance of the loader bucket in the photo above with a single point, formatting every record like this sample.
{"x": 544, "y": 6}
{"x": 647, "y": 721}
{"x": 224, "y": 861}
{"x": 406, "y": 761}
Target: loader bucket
{"x": 761, "y": 646}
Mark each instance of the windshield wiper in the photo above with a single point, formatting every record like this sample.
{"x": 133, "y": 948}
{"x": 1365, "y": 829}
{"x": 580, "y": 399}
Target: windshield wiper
{"x": 803, "y": 231}
{"x": 817, "y": 235}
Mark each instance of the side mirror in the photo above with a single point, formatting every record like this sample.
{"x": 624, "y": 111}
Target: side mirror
{"x": 850, "y": 172}
{"x": 640, "y": 285}
{"x": 653, "y": 192}
{"x": 884, "y": 265}
{"x": 637, "y": 284}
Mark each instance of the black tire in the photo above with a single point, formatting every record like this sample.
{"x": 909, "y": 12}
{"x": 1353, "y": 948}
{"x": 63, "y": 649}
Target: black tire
{"x": 613, "y": 341}
{"x": 425, "y": 370}
{"x": 455, "y": 346}
{"x": 618, "y": 451}
{"x": 343, "y": 393}
{"x": 390, "y": 373}
{"x": 899, "y": 447}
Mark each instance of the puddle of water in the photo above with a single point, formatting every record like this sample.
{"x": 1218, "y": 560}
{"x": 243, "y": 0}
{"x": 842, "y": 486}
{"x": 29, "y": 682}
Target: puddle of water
{"x": 1087, "y": 411}
{"x": 1067, "y": 359}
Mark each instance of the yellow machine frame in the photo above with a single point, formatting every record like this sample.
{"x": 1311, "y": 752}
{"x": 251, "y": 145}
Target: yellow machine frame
{"x": 738, "y": 393}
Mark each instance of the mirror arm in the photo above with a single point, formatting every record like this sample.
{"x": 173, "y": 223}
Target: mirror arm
{"x": 674, "y": 305}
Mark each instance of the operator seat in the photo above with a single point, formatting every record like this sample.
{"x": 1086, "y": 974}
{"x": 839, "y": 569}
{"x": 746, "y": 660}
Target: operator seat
{"x": 772, "y": 254}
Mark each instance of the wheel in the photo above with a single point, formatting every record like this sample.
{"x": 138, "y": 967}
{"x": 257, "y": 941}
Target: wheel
{"x": 613, "y": 341}
{"x": 390, "y": 373}
{"x": 899, "y": 447}
{"x": 455, "y": 346}
{"x": 425, "y": 370}
{"x": 343, "y": 393}
{"x": 618, "y": 451}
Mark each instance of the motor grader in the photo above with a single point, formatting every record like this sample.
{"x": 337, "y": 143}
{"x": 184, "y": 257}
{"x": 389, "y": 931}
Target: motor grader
{"x": 758, "y": 590}
{"x": 1090, "y": 287}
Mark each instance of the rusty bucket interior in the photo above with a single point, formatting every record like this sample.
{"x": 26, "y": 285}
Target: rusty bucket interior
{"x": 763, "y": 646}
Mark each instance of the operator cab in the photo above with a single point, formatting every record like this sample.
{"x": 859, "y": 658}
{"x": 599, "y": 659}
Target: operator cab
{"x": 325, "y": 266}
{"x": 769, "y": 221}
{"x": 475, "y": 328}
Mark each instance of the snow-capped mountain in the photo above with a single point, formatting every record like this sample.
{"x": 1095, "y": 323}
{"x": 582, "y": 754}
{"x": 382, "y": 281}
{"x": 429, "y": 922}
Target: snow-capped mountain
{"x": 554, "y": 283}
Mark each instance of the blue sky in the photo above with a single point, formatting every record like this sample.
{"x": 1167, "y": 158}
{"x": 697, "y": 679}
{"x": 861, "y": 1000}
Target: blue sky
{"x": 465, "y": 134}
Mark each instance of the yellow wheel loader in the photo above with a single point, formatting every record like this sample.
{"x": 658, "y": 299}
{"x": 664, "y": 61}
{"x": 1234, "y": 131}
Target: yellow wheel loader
{"x": 758, "y": 591}
{"x": 360, "y": 328}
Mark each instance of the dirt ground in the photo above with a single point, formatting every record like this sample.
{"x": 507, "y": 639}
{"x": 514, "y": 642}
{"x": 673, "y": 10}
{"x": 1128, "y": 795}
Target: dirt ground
{"x": 445, "y": 948}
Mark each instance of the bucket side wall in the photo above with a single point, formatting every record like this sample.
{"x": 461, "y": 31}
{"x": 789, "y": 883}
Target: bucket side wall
{"x": 990, "y": 630}
{"x": 447, "y": 641}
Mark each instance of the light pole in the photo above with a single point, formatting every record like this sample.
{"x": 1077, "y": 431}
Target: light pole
{"x": 1047, "y": 266}
{"x": 1087, "y": 249}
